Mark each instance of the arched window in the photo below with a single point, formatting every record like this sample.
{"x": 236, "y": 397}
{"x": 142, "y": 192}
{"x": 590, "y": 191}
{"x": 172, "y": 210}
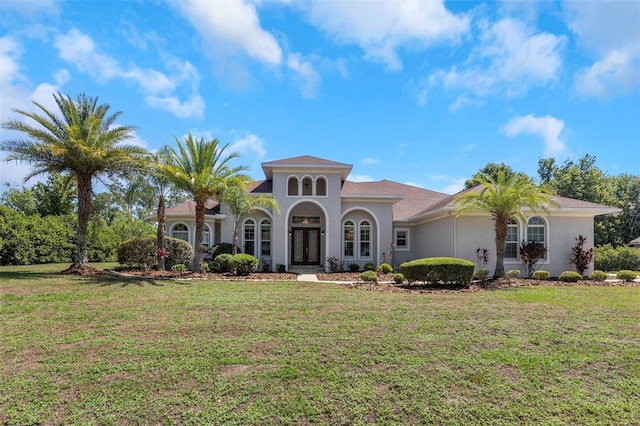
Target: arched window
{"x": 536, "y": 230}
{"x": 180, "y": 231}
{"x": 348, "y": 239}
{"x": 321, "y": 186}
{"x": 511, "y": 251}
{"x": 292, "y": 186}
{"x": 265, "y": 238}
{"x": 249, "y": 233}
{"x": 365, "y": 240}
{"x": 307, "y": 187}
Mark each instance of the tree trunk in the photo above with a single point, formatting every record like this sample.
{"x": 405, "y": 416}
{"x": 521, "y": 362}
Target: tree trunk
{"x": 501, "y": 243}
{"x": 234, "y": 240}
{"x": 197, "y": 246}
{"x": 84, "y": 212}
{"x": 160, "y": 231}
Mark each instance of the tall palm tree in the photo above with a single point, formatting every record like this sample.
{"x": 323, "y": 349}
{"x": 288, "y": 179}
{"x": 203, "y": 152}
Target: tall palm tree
{"x": 161, "y": 185}
{"x": 201, "y": 168}
{"x": 504, "y": 197}
{"x": 84, "y": 141}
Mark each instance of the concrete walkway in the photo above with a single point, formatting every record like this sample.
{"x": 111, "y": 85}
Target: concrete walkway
{"x": 308, "y": 277}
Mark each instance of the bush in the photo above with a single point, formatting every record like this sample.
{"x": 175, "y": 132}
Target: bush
{"x": 626, "y": 275}
{"x": 598, "y": 275}
{"x": 481, "y": 274}
{"x": 334, "y": 264}
{"x": 570, "y": 276}
{"x": 244, "y": 264}
{"x": 219, "y": 249}
{"x": 513, "y": 273}
{"x": 179, "y": 267}
{"x": 435, "y": 269}
{"x": 221, "y": 263}
{"x": 541, "y": 275}
{"x": 140, "y": 252}
{"x": 621, "y": 258}
{"x": 398, "y": 278}
{"x": 385, "y": 268}
{"x": 369, "y": 267}
{"x": 353, "y": 267}
{"x": 369, "y": 276}
{"x": 580, "y": 256}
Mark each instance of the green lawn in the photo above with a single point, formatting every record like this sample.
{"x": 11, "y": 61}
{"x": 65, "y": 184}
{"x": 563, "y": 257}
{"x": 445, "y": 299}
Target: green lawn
{"x": 80, "y": 350}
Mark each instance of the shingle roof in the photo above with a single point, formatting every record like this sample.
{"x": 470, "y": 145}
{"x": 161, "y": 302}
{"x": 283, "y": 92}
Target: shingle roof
{"x": 212, "y": 207}
{"x": 261, "y": 187}
{"x": 306, "y": 161}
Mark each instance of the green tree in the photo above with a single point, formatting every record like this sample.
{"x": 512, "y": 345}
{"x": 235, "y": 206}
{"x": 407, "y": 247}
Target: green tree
{"x": 22, "y": 200}
{"x": 55, "y": 197}
{"x": 504, "y": 198}
{"x": 202, "y": 169}
{"x": 491, "y": 170}
{"x": 84, "y": 141}
{"x": 241, "y": 203}
{"x": 161, "y": 186}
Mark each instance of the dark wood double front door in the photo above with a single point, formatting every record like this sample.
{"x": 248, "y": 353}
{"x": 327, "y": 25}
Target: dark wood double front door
{"x": 305, "y": 246}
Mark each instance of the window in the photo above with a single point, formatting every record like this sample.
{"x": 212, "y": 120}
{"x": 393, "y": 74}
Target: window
{"x": 307, "y": 186}
{"x": 206, "y": 237}
{"x": 321, "y": 186}
{"x": 292, "y": 186}
{"x": 402, "y": 239}
{"x": 348, "y": 237}
{"x": 265, "y": 238}
{"x": 365, "y": 240}
{"x": 249, "y": 233}
{"x": 180, "y": 231}
{"x": 511, "y": 251}
{"x": 535, "y": 230}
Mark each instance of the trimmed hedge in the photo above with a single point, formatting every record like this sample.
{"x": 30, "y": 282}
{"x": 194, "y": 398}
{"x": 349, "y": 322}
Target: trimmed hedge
{"x": 598, "y": 275}
{"x": 541, "y": 275}
{"x": 570, "y": 276}
{"x": 369, "y": 276}
{"x": 385, "y": 268}
{"x": 626, "y": 275}
{"x": 398, "y": 278}
{"x": 141, "y": 252}
{"x": 449, "y": 270}
{"x": 221, "y": 263}
{"x": 513, "y": 273}
{"x": 612, "y": 259}
{"x": 244, "y": 264}
{"x": 369, "y": 267}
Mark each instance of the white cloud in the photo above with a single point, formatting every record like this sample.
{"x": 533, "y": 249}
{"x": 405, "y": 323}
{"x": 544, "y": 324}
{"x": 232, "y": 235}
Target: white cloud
{"x": 229, "y": 27}
{"x": 80, "y": 50}
{"x": 360, "y": 178}
{"x": 249, "y": 147}
{"x": 304, "y": 73}
{"x": 380, "y": 28}
{"x": 510, "y": 58}
{"x": 548, "y": 128}
{"x": 456, "y": 186}
{"x": 31, "y": 8}
{"x": 611, "y": 30}
{"x": 370, "y": 161}
{"x": 14, "y": 173}
{"x": 13, "y": 84}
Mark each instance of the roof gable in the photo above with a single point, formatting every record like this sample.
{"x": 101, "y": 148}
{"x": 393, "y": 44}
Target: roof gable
{"x": 306, "y": 162}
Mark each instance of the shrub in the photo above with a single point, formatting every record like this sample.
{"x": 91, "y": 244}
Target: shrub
{"x": 280, "y": 268}
{"x": 580, "y": 256}
{"x": 369, "y": 267}
{"x": 531, "y": 252}
{"x": 626, "y": 275}
{"x": 621, "y": 258}
{"x": 244, "y": 264}
{"x": 221, "y": 263}
{"x": 481, "y": 274}
{"x": 541, "y": 275}
{"x": 570, "y": 276}
{"x": 140, "y": 252}
{"x": 385, "y": 268}
{"x": 513, "y": 273}
{"x": 334, "y": 264}
{"x": 353, "y": 267}
{"x": 435, "y": 269}
{"x": 398, "y": 278}
{"x": 598, "y": 275}
{"x": 369, "y": 276}
{"x": 179, "y": 267}
{"x": 219, "y": 249}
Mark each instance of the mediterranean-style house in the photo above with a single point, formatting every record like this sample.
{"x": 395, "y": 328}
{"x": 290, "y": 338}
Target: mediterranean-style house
{"x": 324, "y": 215}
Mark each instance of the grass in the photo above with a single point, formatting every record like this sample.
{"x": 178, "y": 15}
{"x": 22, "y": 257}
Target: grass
{"x": 111, "y": 351}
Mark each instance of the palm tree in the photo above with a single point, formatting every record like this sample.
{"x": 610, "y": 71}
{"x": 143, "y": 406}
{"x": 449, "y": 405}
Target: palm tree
{"x": 84, "y": 141}
{"x": 200, "y": 168}
{"x": 504, "y": 197}
{"x": 241, "y": 203}
{"x": 161, "y": 185}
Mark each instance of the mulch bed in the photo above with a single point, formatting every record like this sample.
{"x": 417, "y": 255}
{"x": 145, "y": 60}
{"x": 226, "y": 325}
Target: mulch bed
{"x": 256, "y": 276}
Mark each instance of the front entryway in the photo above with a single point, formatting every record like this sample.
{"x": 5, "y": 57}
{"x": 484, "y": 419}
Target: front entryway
{"x": 305, "y": 246}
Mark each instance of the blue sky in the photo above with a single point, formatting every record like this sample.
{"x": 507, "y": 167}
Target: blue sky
{"x": 417, "y": 92}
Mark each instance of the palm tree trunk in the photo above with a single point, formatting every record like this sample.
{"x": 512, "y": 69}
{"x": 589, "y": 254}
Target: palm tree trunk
{"x": 197, "y": 246}
{"x": 84, "y": 212}
{"x": 501, "y": 243}
{"x": 160, "y": 231}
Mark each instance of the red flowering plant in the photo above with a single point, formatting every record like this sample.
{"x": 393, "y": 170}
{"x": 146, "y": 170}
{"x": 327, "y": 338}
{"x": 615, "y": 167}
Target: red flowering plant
{"x": 162, "y": 253}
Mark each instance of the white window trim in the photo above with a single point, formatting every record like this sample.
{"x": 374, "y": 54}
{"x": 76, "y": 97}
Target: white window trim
{"x": 353, "y": 241}
{"x": 244, "y": 224}
{"x": 395, "y": 240}
{"x": 315, "y": 186}
{"x": 259, "y": 238}
{"x": 360, "y": 256}
{"x": 545, "y": 260}
{"x": 189, "y": 239}
{"x": 518, "y": 234}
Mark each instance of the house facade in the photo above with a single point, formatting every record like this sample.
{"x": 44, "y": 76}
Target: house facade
{"x": 324, "y": 215}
